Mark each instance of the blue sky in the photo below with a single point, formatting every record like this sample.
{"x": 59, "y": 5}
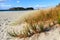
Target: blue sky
{"x": 5, "y": 4}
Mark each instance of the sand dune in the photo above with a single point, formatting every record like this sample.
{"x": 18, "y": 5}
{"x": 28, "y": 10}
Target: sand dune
{"x": 8, "y": 17}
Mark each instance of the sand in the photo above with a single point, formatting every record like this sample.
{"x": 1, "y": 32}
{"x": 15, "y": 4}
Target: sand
{"x": 7, "y": 17}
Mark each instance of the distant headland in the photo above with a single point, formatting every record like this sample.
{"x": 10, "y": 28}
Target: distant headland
{"x": 18, "y": 9}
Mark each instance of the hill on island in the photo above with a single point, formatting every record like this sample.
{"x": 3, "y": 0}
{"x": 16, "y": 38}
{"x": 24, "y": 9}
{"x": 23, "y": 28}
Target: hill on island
{"x": 21, "y": 8}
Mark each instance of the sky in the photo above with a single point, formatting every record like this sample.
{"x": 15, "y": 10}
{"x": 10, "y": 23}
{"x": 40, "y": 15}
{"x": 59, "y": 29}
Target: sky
{"x": 5, "y": 4}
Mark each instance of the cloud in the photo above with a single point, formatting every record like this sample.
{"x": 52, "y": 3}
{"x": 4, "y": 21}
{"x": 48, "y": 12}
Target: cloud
{"x": 2, "y": 0}
{"x": 44, "y": 5}
{"x": 18, "y": 1}
{"x": 5, "y": 6}
{"x": 37, "y": 5}
{"x": 40, "y": 5}
{"x": 30, "y": 6}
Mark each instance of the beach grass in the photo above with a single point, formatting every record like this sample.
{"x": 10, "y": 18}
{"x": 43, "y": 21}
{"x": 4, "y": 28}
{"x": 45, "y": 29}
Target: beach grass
{"x": 37, "y": 20}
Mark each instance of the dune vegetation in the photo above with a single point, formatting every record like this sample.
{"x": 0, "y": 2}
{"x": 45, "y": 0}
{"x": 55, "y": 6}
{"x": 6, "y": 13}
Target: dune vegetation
{"x": 41, "y": 21}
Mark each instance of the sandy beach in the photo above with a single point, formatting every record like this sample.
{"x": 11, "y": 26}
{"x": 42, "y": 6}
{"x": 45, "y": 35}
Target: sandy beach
{"x": 5, "y": 18}
{"x": 9, "y": 16}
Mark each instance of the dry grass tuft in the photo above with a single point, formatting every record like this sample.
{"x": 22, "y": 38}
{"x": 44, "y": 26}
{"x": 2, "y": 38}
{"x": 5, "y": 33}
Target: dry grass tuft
{"x": 37, "y": 21}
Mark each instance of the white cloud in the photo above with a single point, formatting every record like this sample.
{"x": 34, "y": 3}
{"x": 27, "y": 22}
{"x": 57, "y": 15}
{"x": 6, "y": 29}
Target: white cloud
{"x": 30, "y": 6}
{"x": 40, "y": 5}
{"x": 5, "y": 5}
{"x": 2, "y": 0}
{"x": 37, "y": 5}
{"x": 18, "y": 1}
